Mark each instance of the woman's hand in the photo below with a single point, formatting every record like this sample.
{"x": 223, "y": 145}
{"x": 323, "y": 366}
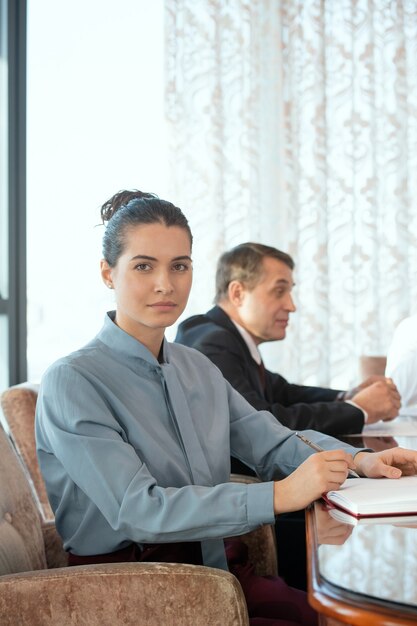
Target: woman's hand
{"x": 318, "y": 474}
{"x": 391, "y": 463}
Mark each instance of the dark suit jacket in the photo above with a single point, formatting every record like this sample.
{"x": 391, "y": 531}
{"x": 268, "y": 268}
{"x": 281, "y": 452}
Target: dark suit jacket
{"x": 296, "y": 406}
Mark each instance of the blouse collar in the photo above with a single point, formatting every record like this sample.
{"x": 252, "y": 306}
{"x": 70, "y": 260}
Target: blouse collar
{"x": 120, "y": 341}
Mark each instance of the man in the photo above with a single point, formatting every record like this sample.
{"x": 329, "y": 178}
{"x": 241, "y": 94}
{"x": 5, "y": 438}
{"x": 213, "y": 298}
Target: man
{"x": 253, "y": 305}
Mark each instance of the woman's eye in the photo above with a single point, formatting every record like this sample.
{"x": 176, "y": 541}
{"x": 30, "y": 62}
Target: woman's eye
{"x": 180, "y": 267}
{"x": 142, "y": 267}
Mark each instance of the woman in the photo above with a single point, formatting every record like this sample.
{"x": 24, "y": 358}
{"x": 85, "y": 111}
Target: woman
{"x": 135, "y": 434}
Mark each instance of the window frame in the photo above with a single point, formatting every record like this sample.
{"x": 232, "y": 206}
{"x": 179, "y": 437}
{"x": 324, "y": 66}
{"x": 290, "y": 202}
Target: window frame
{"x": 13, "y": 304}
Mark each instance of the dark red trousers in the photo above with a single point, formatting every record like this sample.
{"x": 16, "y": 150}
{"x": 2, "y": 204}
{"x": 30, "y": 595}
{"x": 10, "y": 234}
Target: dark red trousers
{"x": 270, "y": 601}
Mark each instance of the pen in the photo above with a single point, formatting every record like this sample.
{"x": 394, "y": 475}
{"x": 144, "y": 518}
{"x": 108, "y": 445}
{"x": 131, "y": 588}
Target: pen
{"x": 318, "y": 449}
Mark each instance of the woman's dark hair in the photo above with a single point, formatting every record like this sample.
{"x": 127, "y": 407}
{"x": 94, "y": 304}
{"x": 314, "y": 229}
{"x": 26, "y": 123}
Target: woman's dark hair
{"x": 128, "y": 208}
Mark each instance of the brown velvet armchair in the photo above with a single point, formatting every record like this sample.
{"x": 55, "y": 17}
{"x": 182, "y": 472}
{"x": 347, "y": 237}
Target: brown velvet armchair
{"x": 37, "y": 588}
{"x": 137, "y": 594}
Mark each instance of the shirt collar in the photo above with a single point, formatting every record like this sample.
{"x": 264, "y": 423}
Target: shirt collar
{"x": 248, "y": 339}
{"x": 120, "y": 341}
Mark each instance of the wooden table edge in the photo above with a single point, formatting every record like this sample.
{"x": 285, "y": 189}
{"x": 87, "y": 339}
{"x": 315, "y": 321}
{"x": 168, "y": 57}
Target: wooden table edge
{"x": 341, "y": 606}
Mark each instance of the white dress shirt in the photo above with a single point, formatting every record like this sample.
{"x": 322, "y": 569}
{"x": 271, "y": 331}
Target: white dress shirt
{"x": 402, "y": 364}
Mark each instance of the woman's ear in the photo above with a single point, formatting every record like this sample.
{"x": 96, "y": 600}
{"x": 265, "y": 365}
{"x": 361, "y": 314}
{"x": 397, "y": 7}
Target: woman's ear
{"x": 106, "y": 273}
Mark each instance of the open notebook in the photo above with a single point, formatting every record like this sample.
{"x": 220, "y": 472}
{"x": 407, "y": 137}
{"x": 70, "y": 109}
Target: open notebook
{"x": 371, "y": 497}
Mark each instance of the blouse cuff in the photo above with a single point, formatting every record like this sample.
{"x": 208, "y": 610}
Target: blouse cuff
{"x": 260, "y": 504}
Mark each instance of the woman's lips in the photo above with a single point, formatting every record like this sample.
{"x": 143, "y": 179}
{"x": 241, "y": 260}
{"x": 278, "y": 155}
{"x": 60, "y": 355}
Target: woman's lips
{"x": 167, "y": 306}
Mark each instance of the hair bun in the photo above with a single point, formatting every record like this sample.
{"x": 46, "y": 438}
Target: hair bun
{"x": 121, "y": 199}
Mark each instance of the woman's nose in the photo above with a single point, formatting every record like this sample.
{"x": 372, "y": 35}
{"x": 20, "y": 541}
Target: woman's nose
{"x": 163, "y": 283}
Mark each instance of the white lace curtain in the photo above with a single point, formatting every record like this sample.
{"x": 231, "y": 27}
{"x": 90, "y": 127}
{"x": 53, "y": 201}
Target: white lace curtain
{"x": 294, "y": 123}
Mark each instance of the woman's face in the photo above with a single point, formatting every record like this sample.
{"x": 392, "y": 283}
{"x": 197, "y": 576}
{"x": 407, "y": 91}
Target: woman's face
{"x": 152, "y": 279}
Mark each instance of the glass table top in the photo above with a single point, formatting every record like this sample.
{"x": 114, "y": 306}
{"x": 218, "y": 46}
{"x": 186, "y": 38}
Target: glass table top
{"x": 376, "y": 558}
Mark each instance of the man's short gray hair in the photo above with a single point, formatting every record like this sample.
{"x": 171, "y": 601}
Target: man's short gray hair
{"x": 244, "y": 263}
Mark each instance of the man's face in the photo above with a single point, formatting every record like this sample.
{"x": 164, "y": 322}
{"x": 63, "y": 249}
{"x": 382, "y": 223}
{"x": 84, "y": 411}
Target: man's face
{"x": 264, "y": 311}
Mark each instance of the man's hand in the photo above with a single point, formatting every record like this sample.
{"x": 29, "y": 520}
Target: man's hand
{"x": 380, "y": 400}
{"x": 391, "y": 463}
{"x": 318, "y": 474}
{"x": 348, "y": 395}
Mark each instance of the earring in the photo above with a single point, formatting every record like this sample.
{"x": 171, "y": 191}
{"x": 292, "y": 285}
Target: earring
{"x": 109, "y": 285}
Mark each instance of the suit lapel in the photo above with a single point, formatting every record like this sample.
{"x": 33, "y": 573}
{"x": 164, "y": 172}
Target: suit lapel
{"x": 219, "y": 317}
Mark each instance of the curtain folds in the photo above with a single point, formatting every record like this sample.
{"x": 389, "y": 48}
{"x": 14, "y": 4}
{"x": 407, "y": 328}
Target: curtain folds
{"x": 294, "y": 123}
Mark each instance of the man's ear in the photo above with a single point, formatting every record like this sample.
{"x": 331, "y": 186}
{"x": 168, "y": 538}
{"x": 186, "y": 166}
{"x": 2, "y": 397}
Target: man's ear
{"x": 236, "y": 292}
{"x": 106, "y": 273}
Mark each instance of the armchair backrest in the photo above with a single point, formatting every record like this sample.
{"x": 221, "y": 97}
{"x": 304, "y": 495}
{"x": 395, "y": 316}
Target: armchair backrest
{"x": 18, "y": 404}
{"x": 21, "y": 539}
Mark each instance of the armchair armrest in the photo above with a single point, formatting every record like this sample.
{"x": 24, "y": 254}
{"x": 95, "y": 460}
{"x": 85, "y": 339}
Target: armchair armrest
{"x": 261, "y": 542}
{"x": 139, "y": 594}
{"x": 54, "y": 551}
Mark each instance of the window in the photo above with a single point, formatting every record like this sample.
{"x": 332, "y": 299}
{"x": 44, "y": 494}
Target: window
{"x": 95, "y": 101}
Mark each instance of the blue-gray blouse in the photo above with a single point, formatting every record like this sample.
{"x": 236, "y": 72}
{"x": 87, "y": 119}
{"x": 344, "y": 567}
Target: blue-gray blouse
{"x": 136, "y": 450}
